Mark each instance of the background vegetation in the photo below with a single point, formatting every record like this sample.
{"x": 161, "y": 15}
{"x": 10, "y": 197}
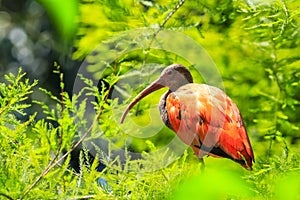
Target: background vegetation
{"x": 255, "y": 46}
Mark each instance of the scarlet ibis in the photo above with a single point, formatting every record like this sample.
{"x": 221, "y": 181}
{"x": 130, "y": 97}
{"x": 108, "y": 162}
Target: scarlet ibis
{"x": 202, "y": 116}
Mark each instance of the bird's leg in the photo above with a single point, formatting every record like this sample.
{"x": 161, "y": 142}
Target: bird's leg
{"x": 202, "y": 167}
{"x": 199, "y": 153}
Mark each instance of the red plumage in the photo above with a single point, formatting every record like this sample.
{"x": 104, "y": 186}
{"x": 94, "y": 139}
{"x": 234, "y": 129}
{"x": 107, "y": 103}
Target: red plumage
{"x": 202, "y": 116}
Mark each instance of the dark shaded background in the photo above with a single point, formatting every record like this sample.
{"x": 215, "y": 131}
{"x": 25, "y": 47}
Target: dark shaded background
{"x": 29, "y": 39}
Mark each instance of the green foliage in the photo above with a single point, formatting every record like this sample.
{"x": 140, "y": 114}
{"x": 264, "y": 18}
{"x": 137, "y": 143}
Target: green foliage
{"x": 64, "y": 21}
{"x": 39, "y": 147}
{"x": 279, "y": 179}
{"x": 214, "y": 184}
{"x": 13, "y": 94}
{"x": 274, "y": 32}
{"x": 262, "y": 39}
{"x": 255, "y": 46}
{"x": 14, "y": 144}
{"x": 34, "y": 164}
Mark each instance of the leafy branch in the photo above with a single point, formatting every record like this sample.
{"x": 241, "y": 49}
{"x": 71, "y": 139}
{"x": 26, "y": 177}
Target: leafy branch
{"x": 54, "y": 162}
{"x": 273, "y": 29}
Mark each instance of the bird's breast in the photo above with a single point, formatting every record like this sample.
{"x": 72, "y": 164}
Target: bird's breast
{"x": 184, "y": 112}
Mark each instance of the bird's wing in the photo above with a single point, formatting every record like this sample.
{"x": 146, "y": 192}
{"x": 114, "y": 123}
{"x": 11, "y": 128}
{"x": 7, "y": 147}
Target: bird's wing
{"x": 205, "y": 118}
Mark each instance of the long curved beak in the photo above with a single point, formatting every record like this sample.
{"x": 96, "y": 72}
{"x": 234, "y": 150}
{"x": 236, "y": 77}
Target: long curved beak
{"x": 156, "y": 85}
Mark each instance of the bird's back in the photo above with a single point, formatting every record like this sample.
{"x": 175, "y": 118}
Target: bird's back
{"x": 205, "y": 118}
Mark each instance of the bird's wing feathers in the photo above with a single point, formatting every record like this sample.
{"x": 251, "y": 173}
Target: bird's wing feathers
{"x": 205, "y": 118}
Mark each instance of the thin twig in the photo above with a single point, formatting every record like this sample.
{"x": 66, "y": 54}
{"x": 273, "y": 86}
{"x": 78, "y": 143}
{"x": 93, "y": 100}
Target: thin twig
{"x": 6, "y": 107}
{"x": 83, "y": 197}
{"x": 62, "y": 92}
{"x": 6, "y": 196}
{"x": 180, "y": 3}
{"x": 287, "y": 15}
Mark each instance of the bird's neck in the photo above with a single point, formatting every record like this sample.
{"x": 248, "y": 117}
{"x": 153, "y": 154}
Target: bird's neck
{"x": 177, "y": 84}
{"x": 163, "y": 109}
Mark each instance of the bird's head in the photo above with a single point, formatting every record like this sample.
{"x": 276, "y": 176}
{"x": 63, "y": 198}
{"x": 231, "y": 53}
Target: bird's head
{"x": 173, "y": 77}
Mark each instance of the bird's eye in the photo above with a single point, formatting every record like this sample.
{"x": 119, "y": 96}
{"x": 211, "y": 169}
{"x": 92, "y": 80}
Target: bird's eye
{"x": 169, "y": 72}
